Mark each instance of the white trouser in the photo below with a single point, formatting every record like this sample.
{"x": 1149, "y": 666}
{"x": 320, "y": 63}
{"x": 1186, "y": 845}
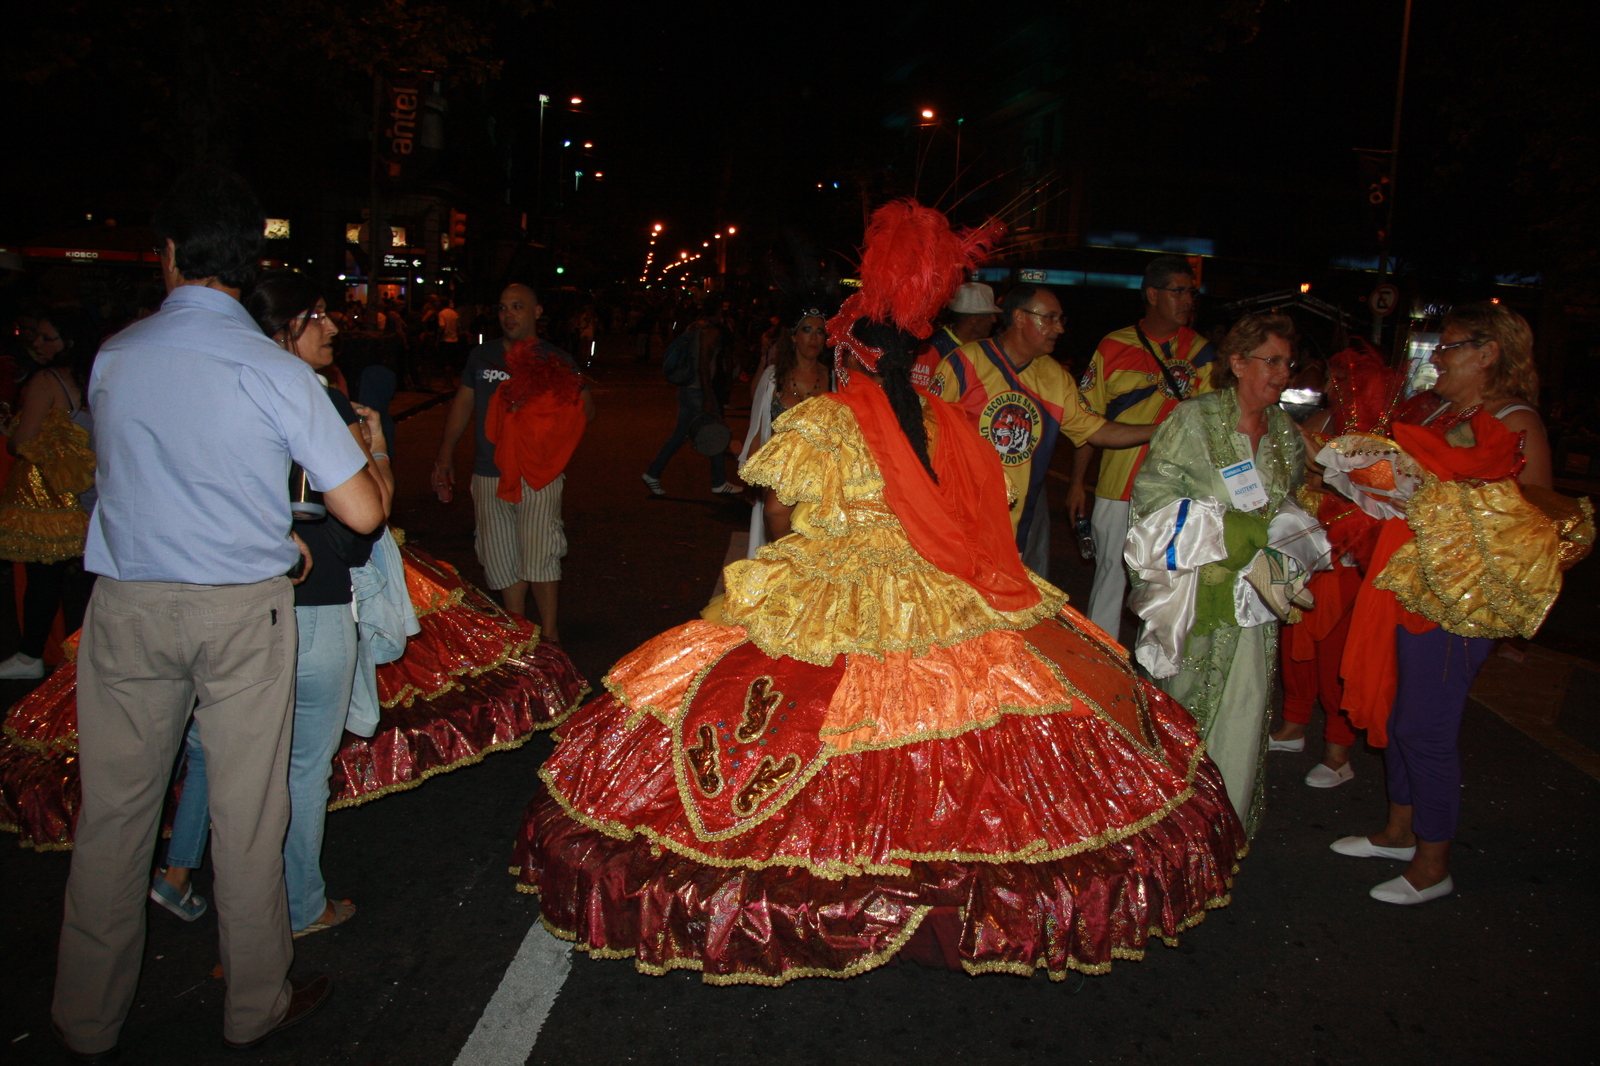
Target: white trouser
{"x": 1109, "y": 524}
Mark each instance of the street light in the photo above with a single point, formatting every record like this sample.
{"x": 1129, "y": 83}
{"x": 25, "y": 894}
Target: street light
{"x": 927, "y": 112}
{"x": 576, "y": 100}
{"x": 588, "y": 144}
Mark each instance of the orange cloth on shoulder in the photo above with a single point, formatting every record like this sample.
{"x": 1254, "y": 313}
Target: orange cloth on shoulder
{"x": 535, "y": 421}
{"x": 962, "y": 523}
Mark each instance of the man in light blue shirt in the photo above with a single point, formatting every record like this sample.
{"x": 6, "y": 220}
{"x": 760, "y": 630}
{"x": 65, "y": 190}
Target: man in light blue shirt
{"x": 198, "y": 415}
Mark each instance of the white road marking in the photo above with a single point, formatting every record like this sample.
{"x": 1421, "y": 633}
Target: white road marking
{"x": 510, "y": 1023}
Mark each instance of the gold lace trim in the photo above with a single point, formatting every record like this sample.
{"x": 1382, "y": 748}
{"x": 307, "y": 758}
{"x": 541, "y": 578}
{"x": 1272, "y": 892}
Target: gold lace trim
{"x": 834, "y": 870}
{"x": 409, "y": 692}
{"x": 898, "y": 942}
{"x": 860, "y": 966}
{"x": 467, "y": 760}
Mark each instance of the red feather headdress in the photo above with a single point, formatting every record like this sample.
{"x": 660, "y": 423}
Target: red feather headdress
{"x": 912, "y": 262}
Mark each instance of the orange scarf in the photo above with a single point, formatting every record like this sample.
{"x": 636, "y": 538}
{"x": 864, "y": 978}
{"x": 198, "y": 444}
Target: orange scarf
{"x": 961, "y": 524}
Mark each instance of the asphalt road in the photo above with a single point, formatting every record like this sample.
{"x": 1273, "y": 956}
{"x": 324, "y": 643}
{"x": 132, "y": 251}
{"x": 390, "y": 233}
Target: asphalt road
{"x": 1302, "y": 968}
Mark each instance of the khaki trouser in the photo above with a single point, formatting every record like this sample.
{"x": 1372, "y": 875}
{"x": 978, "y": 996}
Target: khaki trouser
{"x": 151, "y": 651}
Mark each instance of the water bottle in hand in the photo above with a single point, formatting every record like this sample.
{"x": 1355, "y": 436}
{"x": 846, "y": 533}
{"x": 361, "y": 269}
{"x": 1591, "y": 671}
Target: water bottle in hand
{"x": 1085, "y": 539}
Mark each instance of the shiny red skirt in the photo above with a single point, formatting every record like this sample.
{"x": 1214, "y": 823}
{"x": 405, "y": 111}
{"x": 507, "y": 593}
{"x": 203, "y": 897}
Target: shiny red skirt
{"x": 474, "y": 681}
{"x": 733, "y": 838}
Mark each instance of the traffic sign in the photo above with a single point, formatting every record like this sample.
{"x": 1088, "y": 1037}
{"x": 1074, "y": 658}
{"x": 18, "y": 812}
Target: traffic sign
{"x": 1383, "y": 299}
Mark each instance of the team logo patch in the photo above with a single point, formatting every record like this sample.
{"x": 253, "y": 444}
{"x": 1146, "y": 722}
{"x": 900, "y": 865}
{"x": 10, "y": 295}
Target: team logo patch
{"x": 1011, "y": 421}
{"x": 936, "y": 386}
{"x": 1086, "y": 382}
{"x": 1183, "y": 374}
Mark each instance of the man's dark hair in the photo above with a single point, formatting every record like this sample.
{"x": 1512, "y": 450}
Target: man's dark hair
{"x": 1015, "y": 300}
{"x": 1162, "y": 269}
{"x": 215, "y": 224}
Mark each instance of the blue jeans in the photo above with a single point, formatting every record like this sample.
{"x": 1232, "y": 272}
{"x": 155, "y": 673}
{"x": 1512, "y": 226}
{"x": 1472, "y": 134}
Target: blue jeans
{"x": 691, "y": 402}
{"x": 324, "y": 674}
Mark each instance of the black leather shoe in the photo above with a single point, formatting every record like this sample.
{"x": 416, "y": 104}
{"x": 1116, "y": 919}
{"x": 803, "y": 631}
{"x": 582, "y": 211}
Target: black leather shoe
{"x": 304, "y": 999}
{"x": 88, "y": 1058}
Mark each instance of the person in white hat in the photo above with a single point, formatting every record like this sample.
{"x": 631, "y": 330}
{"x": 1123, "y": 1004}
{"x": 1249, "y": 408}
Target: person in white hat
{"x": 970, "y": 316}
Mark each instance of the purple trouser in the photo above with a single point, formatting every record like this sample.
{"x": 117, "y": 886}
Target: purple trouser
{"x": 1424, "y": 764}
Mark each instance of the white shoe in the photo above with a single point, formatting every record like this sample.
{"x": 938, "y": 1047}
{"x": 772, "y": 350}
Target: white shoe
{"x": 1406, "y": 894}
{"x": 21, "y": 667}
{"x": 1297, "y": 744}
{"x": 1322, "y": 776}
{"x": 654, "y": 485}
{"x": 1362, "y": 848}
{"x": 727, "y": 488}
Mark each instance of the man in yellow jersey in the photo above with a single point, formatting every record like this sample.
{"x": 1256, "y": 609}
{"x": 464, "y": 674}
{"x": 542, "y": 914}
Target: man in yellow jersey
{"x": 1021, "y": 400}
{"x": 1138, "y": 375}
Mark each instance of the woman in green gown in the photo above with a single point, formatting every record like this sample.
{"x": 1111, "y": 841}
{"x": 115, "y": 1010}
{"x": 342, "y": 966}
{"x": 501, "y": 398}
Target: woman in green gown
{"x": 1226, "y": 677}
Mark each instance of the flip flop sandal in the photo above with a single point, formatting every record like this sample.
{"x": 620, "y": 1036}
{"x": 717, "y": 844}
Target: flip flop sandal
{"x": 343, "y": 911}
{"x": 185, "y": 904}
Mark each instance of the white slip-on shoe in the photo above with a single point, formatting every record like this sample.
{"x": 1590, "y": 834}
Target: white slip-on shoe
{"x": 21, "y": 667}
{"x": 1297, "y": 744}
{"x": 1406, "y": 894}
{"x": 1322, "y": 776}
{"x": 1362, "y": 848}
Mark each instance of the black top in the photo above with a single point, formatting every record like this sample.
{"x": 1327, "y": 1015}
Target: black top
{"x": 335, "y": 547}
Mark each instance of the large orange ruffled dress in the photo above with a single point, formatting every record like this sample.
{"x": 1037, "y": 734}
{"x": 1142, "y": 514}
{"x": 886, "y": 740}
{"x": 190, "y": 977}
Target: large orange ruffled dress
{"x": 854, "y": 745}
{"x": 474, "y": 681}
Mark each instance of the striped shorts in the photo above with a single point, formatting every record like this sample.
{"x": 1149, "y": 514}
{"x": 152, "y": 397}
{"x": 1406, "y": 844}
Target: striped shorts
{"x": 519, "y": 541}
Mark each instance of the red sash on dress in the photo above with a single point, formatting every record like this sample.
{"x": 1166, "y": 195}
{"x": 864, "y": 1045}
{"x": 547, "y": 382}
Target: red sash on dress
{"x": 962, "y": 523}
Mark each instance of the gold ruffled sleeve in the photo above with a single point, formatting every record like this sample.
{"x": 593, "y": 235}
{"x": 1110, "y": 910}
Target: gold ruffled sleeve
{"x": 61, "y": 452}
{"x": 1486, "y": 562}
{"x": 816, "y": 456}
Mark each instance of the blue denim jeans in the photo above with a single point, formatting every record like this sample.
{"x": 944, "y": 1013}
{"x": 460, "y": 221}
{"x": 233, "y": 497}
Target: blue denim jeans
{"x": 324, "y": 674}
{"x": 691, "y": 401}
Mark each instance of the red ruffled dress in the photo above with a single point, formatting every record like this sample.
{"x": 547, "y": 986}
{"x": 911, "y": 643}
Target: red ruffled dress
{"x": 857, "y": 751}
{"x": 474, "y": 681}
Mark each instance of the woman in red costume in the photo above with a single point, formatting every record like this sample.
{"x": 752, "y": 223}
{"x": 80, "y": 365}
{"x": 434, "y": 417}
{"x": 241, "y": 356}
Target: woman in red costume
{"x": 475, "y": 680}
{"x": 1477, "y": 556}
{"x": 888, "y": 735}
{"x": 1362, "y": 393}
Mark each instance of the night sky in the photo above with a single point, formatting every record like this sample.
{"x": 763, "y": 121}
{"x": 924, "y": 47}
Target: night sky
{"x": 1233, "y": 120}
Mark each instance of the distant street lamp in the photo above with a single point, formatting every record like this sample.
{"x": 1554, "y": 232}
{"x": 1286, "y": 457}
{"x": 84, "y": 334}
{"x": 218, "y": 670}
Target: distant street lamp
{"x": 538, "y": 194}
{"x": 576, "y": 100}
